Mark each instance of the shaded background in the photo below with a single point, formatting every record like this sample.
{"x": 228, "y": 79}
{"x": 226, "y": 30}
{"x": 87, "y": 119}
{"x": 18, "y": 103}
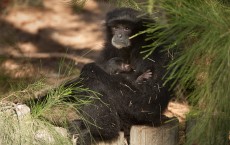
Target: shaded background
{"x": 34, "y": 40}
{"x": 52, "y": 40}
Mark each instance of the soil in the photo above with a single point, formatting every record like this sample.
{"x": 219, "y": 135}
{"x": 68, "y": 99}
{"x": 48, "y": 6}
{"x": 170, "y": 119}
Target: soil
{"x": 48, "y": 33}
{"x": 35, "y": 40}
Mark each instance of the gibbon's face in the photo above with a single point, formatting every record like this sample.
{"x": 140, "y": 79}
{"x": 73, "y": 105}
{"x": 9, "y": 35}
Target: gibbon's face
{"x": 121, "y": 34}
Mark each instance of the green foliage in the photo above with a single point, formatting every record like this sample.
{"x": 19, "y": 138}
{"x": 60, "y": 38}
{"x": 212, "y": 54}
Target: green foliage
{"x": 77, "y": 5}
{"x": 44, "y": 113}
{"x": 18, "y": 127}
{"x": 200, "y": 29}
{"x": 58, "y": 98}
{"x": 67, "y": 68}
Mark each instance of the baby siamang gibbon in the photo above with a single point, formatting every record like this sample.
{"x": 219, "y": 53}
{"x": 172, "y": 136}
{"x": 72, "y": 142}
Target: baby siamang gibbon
{"x": 121, "y": 102}
{"x": 117, "y": 65}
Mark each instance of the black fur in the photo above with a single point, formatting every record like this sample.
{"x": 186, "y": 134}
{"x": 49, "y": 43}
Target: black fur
{"x": 121, "y": 103}
{"x": 117, "y": 65}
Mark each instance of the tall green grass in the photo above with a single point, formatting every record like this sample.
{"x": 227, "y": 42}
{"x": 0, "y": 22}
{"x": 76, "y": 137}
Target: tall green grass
{"x": 200, "y": 31}
{"x": 55, "y": 109}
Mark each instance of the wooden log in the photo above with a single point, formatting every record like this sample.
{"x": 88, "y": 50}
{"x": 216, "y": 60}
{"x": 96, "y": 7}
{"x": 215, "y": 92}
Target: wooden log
{"x": 119, "y": 141}
{"x": 166, "y": 134}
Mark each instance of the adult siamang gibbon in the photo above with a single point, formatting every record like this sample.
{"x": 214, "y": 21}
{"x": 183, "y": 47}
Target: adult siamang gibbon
{"x": 121, "y": 103}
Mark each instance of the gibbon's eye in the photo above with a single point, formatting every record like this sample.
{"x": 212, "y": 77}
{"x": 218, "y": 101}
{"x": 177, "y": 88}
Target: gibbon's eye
{"x": 114, "y": 27}
{"x": 126, "y": 28}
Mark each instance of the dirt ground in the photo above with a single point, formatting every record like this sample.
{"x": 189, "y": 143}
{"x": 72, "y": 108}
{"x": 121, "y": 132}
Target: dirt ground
{"x": 45, "y": 35}
{"x": 34, "y": 40}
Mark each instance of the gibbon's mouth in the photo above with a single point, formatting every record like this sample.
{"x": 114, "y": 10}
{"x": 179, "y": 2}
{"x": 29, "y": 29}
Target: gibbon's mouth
{"x": 120, "y": 44}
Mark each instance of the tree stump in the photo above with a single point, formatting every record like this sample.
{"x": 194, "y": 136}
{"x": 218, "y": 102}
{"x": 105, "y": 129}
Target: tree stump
{"x": 119, "y": 141}
{"x": 166, "y": 134}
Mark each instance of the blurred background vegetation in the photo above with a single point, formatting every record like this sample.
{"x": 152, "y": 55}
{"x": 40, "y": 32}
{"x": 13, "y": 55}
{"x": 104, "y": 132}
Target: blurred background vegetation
{"x": 38, "y": 49}
{"x": 201, "y": 31}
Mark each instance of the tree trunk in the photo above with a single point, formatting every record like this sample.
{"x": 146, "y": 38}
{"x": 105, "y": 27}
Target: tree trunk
{"x": 166, "y": 134}
{"x": 119, "y": 141}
